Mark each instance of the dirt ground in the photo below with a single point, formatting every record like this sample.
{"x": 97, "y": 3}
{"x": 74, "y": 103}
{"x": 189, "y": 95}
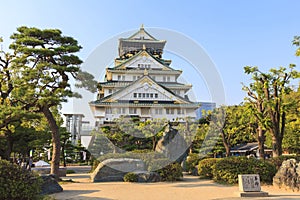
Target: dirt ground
{"x": 189, "y": 189}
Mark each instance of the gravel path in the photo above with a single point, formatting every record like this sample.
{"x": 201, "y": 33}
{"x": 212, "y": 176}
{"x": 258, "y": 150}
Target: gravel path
{"x": 189, "y": 189}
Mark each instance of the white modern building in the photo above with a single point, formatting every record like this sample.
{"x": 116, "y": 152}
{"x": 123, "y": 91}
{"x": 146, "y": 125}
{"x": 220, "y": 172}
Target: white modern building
{"x": 142, "y": 84}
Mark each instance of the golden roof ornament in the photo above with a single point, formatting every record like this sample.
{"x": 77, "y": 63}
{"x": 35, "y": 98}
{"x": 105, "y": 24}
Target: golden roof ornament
{"x": 146, "y": 72}
{"x": 144, "y": 47}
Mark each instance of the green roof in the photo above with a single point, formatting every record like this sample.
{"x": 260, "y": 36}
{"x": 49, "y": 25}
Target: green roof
{"x": 165, "y": 63}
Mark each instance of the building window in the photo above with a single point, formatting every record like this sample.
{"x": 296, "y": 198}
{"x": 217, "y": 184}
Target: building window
{"x": 158, "y": 111}
{"x": 156, "y": 95}
{"x": 144, "y": 95}
{"x": 168, "y": 79}
{"x": 151, "y": 95}
{"x": 132, "y": 111}
{"x": 123, "y": 78}
{"x": 140, "y": 95}
{"x": 147, "y": 95}
{"x": 109, "y": 91}
{"x": 121, "y": 110}
{"x": 169, "y": 111}
{"x": 119, "y": 77}
{"x": 135, "y": 95}
{"x": 108, "y": 110}
{"x": 164, "y": 79}
{"x": 180, "y": 111}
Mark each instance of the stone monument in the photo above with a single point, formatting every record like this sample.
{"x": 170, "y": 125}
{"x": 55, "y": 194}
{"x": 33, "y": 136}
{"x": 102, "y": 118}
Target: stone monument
{"x": 249, "y": 186}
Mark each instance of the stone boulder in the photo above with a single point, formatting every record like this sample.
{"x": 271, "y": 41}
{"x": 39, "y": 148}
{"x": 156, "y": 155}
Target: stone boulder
{"x": 172, "y": 145}
{"x": 50, "y": 185}
{"x": 148, "y": 177}
{"x": 288, "y": 175}
{"x": 115, "y": 169}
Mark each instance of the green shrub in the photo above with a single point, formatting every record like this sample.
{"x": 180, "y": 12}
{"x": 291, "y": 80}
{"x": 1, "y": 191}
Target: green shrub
{"x": 171, "y": 172}
{"x": 205, "y": 167}
{"x": 17, "y": 183}
{"x": 130, "y": 177}
{"x": 192, "y": 161}
{"x": 278, "y": 160}
{"x": 70, "y": 171}
{"x": 226, "y": 170}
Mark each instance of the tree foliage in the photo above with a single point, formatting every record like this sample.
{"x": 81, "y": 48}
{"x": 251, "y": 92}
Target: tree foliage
{"x": 45, "y": 61}
{"x": 267, "y": 91}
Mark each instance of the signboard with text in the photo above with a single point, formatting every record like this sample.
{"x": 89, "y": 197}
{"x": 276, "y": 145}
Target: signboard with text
{"x": 249, "y": 183}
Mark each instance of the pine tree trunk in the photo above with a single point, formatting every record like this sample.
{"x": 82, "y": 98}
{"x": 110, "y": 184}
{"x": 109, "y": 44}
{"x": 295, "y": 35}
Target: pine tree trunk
{"x": 154, "y": 142}
{"x": 55, "y": 140}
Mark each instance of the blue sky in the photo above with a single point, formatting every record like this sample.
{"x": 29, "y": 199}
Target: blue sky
{"x": 233, "y": 33}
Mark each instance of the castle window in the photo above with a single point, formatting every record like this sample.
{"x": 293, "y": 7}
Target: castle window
{"x": 164, "y": 79}
{"x": 123, "y": 78}
{"x": 109, "y": 91}
{"x": 108, "y": 110}
{"x": 121, "y": 111}
{"x": 169, "y": 111}
{"x": 168, "y": 78}
{"x": 158, "y": 111}
{"x": 180, "y": 111}
{"x": 147, "y": 95}
{"x": 132, "y": 111}
{"x": 135, "y": 95}
{"x": 140, "y": 95}
{"x": 119, "y": 77}
{"x": 156, "y": 95}
{"x": 151, "y": 95}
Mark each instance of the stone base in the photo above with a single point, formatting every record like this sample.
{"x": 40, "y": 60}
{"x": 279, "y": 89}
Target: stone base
{"x": 253, "y": 194}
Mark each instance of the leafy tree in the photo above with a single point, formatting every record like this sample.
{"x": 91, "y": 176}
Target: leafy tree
{"x": 234, "y": 128}
{"x": 257, "y": 107}
{"x": 268, "y": 90}
{"x": 45, "y": 62}
{"x": 291, "y": 140}
{"x": 152, "y": 129}
{"x": 190, "y": 132}
{"x": 16, "y": 119}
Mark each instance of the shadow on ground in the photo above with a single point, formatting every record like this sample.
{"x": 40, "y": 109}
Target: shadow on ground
{"x": 189, "y": 182}
{"x": 77, "y": 194}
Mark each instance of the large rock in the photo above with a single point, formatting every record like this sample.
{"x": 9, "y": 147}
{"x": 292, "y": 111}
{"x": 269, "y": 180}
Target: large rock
{"x": 288, "y": 175}
{"x": 115, "y": 169}
{"x": 50, "y": 185}
{"x": 172, "y": 145}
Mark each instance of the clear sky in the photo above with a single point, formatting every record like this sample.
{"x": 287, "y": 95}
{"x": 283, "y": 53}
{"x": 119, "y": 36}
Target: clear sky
{"x": 233, "y": 33}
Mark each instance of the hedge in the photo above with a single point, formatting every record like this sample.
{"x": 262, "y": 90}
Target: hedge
{"x": 226, "y": 170}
